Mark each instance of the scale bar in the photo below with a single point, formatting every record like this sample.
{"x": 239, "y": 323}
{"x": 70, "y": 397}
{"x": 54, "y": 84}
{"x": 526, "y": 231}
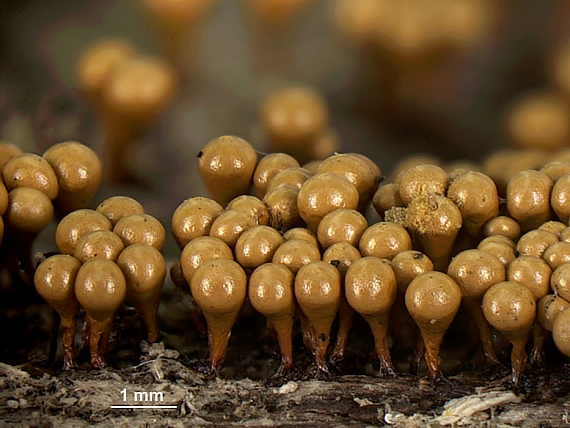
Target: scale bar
{"x": 144, "y": 407}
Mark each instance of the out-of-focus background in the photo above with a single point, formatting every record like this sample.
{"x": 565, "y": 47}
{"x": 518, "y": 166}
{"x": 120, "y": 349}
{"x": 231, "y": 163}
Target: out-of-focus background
{"x": 399, "y": 78}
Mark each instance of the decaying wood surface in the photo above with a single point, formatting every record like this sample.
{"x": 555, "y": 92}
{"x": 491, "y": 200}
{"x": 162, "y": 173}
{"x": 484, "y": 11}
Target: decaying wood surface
{"x": 81, "y": 397}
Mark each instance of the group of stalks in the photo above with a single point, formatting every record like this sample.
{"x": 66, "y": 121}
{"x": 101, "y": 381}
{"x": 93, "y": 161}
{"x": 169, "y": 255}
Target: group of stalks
{"x": 103, "y": 256}
{"x": 303, "y": 249}
{"x": 106, "y": 256}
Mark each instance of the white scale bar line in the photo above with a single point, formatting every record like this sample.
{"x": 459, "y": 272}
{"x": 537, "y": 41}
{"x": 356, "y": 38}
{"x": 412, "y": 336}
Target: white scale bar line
{"x": 144, "y": 407}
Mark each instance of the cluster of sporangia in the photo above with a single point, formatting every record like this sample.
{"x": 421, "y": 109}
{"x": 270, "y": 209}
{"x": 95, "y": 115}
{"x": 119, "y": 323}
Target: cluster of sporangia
{"x": 106, "y": 254}
{"x": 302, "y": 248}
